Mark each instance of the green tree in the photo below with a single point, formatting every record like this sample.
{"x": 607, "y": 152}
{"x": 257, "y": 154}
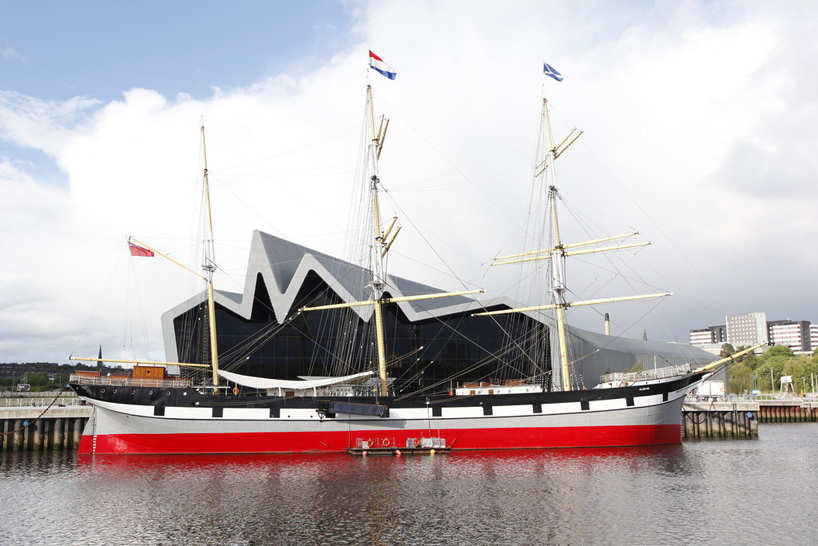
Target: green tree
{"x": 741, "y": 378}
{"x": 37, "y": 379}
{"x": 777, "y": 366}
{"x": 804, "y": 371}
{"x": 726, "y": 350}
{"x": 751, "y": 361}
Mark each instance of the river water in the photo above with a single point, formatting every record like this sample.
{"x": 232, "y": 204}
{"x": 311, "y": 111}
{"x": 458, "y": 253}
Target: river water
{"x": 701, "y": 492}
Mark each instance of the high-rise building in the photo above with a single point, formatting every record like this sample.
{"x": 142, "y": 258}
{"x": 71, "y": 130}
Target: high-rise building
{"x": 711, "y": 334}
{"x": 794, "y": 334}
{"x": 746, "y": 329}
{"x": 813, "y": 336}
{"x": 752, "y": 328}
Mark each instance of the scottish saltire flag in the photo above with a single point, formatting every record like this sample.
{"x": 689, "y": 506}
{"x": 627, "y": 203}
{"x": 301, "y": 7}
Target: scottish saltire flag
{"x": 549, "y": 70}
{"x": 377, "y": 64}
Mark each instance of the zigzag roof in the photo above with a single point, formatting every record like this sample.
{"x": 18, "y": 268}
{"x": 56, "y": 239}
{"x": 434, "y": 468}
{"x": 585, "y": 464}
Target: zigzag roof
{"x": 284, "y": 266}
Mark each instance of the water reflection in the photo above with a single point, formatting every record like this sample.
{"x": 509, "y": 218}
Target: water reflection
{"x": 685, "y": 494}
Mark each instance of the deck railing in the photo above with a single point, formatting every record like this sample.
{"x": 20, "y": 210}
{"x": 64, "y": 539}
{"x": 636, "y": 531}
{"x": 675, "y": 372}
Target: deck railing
{"x": 647, "y": 375}
{"x": 130, "y": 382}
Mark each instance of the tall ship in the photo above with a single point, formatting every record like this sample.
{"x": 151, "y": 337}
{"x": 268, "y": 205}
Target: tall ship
{"x": 210, "y": 407}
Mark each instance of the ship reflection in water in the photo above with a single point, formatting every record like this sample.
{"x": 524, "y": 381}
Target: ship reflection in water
{"x": 683, "y": 494}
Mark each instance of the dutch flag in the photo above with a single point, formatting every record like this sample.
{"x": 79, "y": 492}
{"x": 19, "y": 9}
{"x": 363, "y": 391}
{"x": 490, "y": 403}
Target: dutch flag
{"x": 549, "y": 70}
{"x": 377, "y": 64}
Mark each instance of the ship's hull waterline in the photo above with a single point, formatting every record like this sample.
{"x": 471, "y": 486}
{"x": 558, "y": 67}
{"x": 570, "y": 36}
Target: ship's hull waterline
{"x": 141, "y": 420}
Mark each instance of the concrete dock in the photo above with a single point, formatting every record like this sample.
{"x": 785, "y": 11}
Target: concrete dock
{"x": 720, "y": 419}
{"x": 29, "y": 424}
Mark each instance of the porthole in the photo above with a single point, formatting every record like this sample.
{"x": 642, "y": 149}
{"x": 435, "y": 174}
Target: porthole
{"x": 101, "y": 390}
{"x": 150, "y": 392}
{"x": 114, "y": 391}
{"x": 184, "y": 393}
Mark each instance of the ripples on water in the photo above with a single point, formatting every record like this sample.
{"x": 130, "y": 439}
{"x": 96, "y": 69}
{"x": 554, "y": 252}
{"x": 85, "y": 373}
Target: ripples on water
{"x": 705, "y": 492}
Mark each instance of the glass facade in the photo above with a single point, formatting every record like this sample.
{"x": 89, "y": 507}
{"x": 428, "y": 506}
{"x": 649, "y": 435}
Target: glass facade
{"x": 433, "y": 353}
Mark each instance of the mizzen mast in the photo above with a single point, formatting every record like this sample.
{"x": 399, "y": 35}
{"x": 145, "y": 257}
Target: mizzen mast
{"x": 559, "y": 251}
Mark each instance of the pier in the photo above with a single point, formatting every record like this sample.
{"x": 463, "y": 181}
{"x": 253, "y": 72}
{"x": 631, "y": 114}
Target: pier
{"x": 793, "y": 409}
{"x": 714, "y": 419}
{"x": 739, "y": 417}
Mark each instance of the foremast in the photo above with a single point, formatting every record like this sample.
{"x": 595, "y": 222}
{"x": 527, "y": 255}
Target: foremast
{"x": 559, "y": 251}
{"x": 378, "y": 248}
{"x": 209, "y": 268}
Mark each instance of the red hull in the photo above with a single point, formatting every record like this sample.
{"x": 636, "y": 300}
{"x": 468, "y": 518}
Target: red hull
{"x": 302, "y": 442}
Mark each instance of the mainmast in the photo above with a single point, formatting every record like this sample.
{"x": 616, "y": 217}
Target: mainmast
{"x": 378, "y": 248}
{"x": 380, "y": 245}
{"x": 209, "y": 268}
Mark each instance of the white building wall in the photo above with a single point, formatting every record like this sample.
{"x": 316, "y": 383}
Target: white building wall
{"x": 701, "y": 337}
{"x": 813, "y": 336}
{"x": 788, "y": 335}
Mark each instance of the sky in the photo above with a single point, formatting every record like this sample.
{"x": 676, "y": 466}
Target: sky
{"x": 699, "y": 132}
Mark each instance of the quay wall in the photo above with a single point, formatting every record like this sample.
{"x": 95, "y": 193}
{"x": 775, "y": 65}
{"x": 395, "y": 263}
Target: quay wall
{"x": 792, "y": 410}
{"x": 36, "y": 428}
{"x": 720, "y": 419}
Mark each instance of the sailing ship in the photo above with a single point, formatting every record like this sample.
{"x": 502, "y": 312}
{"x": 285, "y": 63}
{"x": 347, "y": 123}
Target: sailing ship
{"x": 354, "y": 411}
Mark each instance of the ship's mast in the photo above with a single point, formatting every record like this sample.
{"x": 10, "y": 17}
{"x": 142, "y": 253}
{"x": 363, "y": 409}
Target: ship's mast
{"x": 209, "y": 268}
{"x": 557, "y": 285}
{"x": 377, "y": 249}
{"x": 559, "y": 251}
{"x": 381, "y": 243}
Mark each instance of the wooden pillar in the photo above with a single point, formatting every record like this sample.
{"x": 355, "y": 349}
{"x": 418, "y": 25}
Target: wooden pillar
{"x": 18, "y": 435}
{"x": 688, "y": 424}
{"x": 75, "y": 438}
{"x": 58, "y": 434}
{"x": 37, "y": 436}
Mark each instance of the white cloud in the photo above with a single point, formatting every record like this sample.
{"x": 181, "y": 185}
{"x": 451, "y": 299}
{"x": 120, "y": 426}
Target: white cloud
{"x": 13, "y": 55}
{"x": 703, "y": 116}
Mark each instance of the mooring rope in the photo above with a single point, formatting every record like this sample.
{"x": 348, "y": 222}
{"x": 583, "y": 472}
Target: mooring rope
{"x": 38, "y": 417}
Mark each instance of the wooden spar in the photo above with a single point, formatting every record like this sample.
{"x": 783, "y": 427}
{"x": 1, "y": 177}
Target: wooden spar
{"x": 209, "y": 269}
{"x": 392, "y": 300}
{"x": 725, "y": 360}
{"x": 558, "y": 261}
{"x": 183, "y": 364}
{"x": 377, "y": 250}
{"x": 559, "y": 152}
{"x": 568, "y": 304}
{"x": 572, "y": 245}
{"x": 389, "y": 244}
{"x": 168, "y": 258}
{"x": 569, "y": 253}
